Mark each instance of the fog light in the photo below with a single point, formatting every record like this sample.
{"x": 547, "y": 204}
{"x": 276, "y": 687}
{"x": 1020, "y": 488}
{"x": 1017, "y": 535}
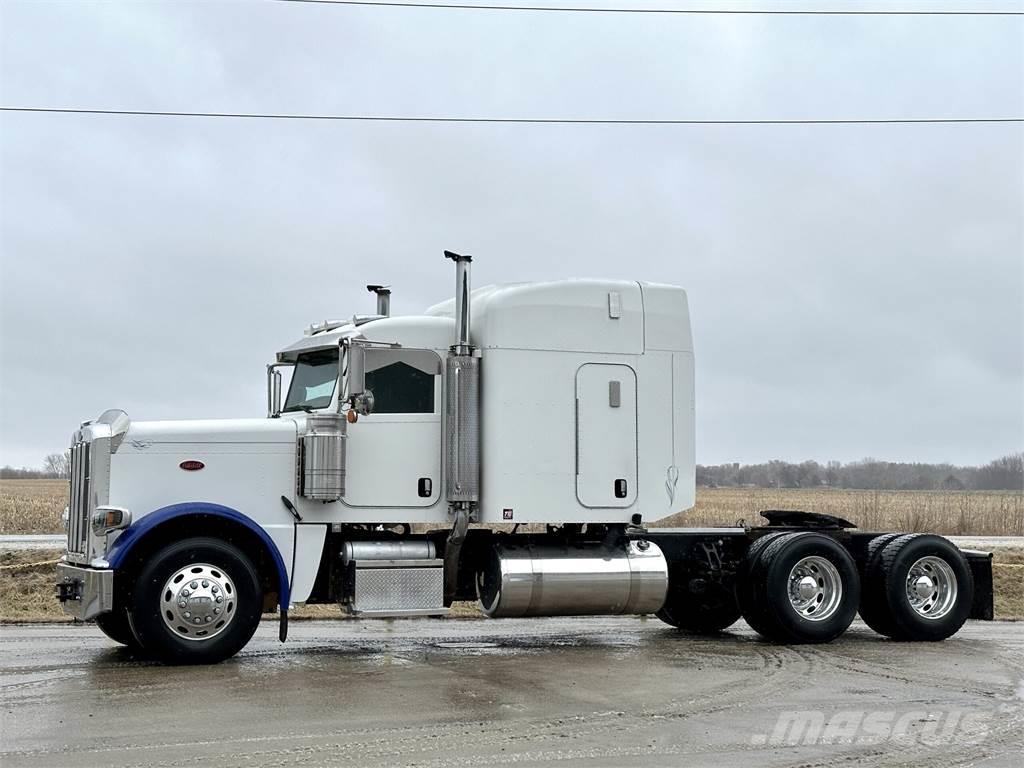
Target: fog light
{"x": 107, "y": 519}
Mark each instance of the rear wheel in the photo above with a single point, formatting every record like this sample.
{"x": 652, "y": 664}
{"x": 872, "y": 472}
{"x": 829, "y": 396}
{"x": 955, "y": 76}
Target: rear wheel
{"x": 197, "y": 601}
{"x": 749, "y": 600}
{"x": 925, "y": 586}
{"x": 802, "y": 588}
{"x": 873, "y": 608}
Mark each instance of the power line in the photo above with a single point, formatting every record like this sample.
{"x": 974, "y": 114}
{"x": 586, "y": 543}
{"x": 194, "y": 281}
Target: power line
{"x": 511, "y": 120}
{"x": 677, "y": 11}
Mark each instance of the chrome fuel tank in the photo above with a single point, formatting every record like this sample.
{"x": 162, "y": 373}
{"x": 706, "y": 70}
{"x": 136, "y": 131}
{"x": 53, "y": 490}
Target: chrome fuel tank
{"x": 575, "y": 580}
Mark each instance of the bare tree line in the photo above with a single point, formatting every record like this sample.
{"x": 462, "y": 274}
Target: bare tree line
{"x": 1003, "y": 474}
{"x": 56, "y": 466}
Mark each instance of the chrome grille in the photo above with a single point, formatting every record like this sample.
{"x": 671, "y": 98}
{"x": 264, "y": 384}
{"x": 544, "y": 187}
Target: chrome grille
{"x": 78, "y": 501}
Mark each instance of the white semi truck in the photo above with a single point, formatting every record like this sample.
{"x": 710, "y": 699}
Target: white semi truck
{"x": 556, "y": 426}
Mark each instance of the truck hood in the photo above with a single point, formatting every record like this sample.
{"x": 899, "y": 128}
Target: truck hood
{"x": 143, "y": 433}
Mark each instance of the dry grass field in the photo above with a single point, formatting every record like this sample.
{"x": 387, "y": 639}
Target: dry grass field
{"x": 32, "y": 506}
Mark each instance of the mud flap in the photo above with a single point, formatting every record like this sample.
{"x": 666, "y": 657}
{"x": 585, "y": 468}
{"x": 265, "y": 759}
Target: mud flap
{"x": 981, "y": 569}
{"x": 282, "y": 626}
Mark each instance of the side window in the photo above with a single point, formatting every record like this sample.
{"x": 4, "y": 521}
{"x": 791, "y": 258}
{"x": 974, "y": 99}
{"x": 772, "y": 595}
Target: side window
{"x": 400, "y": 388}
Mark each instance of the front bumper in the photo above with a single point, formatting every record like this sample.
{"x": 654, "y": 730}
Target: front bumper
{"x": 84, "y": 593}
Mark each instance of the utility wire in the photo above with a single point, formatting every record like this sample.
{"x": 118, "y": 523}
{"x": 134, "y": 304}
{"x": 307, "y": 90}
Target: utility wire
{"x": 512, "y": 120}
{"x": 678, "y": 11}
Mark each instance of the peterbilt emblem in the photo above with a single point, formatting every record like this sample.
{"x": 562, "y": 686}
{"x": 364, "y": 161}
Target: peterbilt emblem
{"x": 671, "y": 478}
{"x": 191, "y": 465}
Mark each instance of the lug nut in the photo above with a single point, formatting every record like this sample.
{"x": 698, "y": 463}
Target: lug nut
{"x": 206, "y": 583}
{"x": 183, "y": 603}
{"x": 185, "y": 593}
{"x": 194, "y": 584}
{"x": 188, "y": 615}
{"x": 220, "y": 599}
{"x": 214, "y": 589}
{"x": 209, "y": 619}
{"x": 198, "y": 620}
{"x": 216, "y": 610}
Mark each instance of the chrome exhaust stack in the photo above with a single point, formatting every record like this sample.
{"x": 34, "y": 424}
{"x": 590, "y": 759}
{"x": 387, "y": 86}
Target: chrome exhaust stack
{"x": 462, "y": 425}
{"x": 462, "y": 401}
{"x": 383, "y": 293}
{"x": 462, "y": 290}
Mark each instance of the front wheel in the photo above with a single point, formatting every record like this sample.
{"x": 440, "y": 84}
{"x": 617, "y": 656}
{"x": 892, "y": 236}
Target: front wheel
{"x": 197, "y": 601}
{"x": 116, "y": 626}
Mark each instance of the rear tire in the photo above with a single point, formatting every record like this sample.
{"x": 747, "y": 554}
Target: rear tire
{"x": 750, "y": 604}
{"x": 197, "y": 601}
{"x": 873, "y": 609}
{"x": 802, "y": 588}
{"x": 926, "y": 587}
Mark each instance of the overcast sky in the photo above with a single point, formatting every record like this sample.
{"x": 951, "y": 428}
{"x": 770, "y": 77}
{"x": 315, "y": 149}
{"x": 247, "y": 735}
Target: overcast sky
{"x": 856, "y": 290}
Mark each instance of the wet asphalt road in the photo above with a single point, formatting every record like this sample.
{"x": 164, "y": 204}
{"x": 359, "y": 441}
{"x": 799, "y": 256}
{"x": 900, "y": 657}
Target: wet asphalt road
{"x": 458, "y": 692}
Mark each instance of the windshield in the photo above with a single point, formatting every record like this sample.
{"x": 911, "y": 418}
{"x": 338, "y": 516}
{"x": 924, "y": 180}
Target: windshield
{"x": 313, "y": 382}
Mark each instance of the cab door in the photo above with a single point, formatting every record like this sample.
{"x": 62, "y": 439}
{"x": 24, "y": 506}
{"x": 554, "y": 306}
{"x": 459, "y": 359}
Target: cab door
{"x": 394, "y": 454}
{"x": 606, "y": 439}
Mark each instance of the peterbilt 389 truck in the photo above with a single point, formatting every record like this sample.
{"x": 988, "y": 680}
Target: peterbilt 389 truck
{"x": 515, "y": 461}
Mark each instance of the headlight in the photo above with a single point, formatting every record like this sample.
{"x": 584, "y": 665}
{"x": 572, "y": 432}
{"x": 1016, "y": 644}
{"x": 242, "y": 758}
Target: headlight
{"x": 107, "y": 519}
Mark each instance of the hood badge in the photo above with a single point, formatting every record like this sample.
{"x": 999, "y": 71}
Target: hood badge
{"x": 191, "y": 465}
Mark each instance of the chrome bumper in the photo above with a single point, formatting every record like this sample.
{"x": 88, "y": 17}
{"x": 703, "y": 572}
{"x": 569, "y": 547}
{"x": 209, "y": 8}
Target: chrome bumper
{"x": 84, "y": 593}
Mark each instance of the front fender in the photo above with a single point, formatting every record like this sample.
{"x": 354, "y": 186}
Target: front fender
{"x": 131, "y": 536}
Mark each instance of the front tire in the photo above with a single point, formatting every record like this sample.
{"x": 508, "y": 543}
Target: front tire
{"x": 197, "y": 601}
{"x": 117, "y": 627}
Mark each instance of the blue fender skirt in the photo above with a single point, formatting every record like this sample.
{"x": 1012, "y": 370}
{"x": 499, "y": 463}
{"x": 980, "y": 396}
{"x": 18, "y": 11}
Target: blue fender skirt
{"x": 136, "y": 532}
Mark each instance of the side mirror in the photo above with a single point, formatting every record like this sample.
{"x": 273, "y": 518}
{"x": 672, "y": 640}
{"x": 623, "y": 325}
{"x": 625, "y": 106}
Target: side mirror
{"x": 359, "y": 398}
{"x": 273, "y": 391}
{"x": 356, "y": 382}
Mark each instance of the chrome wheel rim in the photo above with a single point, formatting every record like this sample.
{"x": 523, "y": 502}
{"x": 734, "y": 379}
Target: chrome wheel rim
{"x": 198, "y": 602}
{"x": 815, "y": 588}
{"x": 931, "y": 587}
